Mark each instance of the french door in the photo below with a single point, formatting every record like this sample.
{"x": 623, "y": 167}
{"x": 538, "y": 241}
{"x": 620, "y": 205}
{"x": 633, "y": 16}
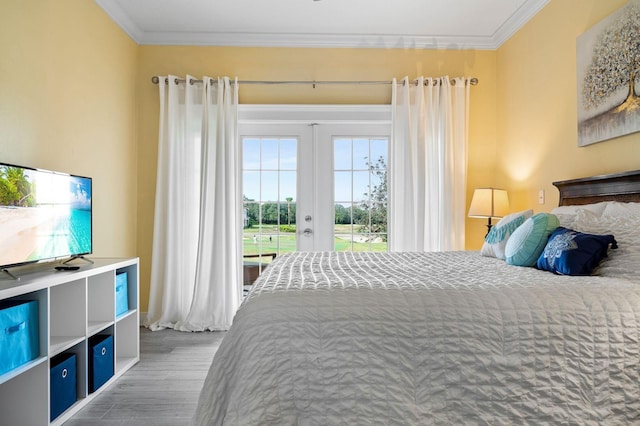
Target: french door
{"x": 313, "y": 179}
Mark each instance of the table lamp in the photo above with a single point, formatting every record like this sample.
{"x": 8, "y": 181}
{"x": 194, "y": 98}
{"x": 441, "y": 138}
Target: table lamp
{"x": 489, "y": 203}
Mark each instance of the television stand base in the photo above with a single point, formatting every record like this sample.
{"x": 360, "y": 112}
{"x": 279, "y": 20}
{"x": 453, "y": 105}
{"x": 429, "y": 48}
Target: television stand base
{"x": 86, "y": 259}
{"x": 6, "y": 271}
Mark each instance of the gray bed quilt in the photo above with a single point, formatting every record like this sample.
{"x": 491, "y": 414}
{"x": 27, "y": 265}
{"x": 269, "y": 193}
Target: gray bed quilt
{"x": 426, "y": 339}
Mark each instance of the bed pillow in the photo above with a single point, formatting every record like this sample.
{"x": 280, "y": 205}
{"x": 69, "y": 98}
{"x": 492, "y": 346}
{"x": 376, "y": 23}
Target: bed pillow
{"x": 596, "y": 208}
{"x": 567, "y": 215}
{"x": 625, "y": 261}
{"x": 566, "y": 220}
{"x": 527, "y": 242}
{"x": 570, "y": 252}
{"x": 617, "y": 209}
{"x": 496, "y": 240}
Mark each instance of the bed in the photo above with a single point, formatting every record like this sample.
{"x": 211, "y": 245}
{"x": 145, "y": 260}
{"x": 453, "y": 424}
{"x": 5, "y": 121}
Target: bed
{"x": 440, "y": 338}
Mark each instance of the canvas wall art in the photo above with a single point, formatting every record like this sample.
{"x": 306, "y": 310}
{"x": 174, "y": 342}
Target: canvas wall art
{"x": 608, "y": 62}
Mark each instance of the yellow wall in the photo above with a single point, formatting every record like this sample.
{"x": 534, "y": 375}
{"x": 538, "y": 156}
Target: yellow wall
{"x": 311, "y": 64}
{"x": 537, "y": 107}
{"x": 68, "y": 103}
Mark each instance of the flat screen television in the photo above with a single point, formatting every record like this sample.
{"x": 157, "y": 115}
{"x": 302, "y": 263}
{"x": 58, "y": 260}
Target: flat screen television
{"x": 44, "y": 215}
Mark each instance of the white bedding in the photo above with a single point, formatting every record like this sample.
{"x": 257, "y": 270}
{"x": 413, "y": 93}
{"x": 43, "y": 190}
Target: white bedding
{"x": 426, "y": 338}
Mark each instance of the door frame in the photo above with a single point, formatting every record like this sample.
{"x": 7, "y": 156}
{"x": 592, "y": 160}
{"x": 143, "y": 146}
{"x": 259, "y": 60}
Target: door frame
{"x": 314, "y": 116}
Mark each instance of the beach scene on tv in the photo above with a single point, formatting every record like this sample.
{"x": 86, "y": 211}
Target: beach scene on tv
{"x": 43, "y": 215}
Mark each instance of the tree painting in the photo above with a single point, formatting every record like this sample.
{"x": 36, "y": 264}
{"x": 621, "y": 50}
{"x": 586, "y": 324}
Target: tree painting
{"x": 609, "y": 104}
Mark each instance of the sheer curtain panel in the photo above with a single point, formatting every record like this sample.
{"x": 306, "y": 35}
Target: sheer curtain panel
{"x": 428, "y": 164}
{"x": 196, "y": 261}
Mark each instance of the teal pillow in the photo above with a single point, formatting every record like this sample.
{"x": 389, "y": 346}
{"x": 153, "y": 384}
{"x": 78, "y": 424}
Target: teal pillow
{"x": 496, "y": 239}
{"x": 527, "y": 242}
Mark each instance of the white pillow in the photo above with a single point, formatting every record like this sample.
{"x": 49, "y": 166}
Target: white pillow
{"x": 567, "y": 214}
{"x": 624, "y": 261}
{"x": 496, "y": 240}
{"x": 597, "y": 208}
{"x": 566, "y": 220}
{"x": 617, "y": 209}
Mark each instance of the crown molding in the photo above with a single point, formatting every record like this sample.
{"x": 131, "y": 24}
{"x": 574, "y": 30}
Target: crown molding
{"x": 510, "y": 27}
{"x": 123, "y": 20}
{"x": 316, "y": 40}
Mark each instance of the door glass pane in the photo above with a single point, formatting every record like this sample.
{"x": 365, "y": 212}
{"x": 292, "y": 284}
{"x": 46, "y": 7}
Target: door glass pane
{"x": 251, "y": 216}
{"x": 288, "y": 154}
{"x": 360, "y": 221}
{"x": 343, "y": 228}
{"x": 342, "y": 154}
{"x": 378, "y": 150}
{"x": 251, "y": 154}
{"x": 287, "y": 185}
{"x": 360, "y": 185}
{"x": 269, "y": 189}
{"x": 251, "y": 185}
{"x": 360, "y": 154}
{"x": 269, "y": 157}
{"x": 342, "y": 184}
{"x": 287, "y": 196}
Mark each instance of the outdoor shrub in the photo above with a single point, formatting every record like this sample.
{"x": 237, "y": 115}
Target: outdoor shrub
{"x": 287, "y": 228}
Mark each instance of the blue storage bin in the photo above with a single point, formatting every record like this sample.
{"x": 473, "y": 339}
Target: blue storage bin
{"x": 122, "y": 293}
{"x": 19, "y": 338}
{"x": 62, "y": 375}
{"x": 100, "y": 360}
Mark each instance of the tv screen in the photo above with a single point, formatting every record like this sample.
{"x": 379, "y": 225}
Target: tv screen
{"x": 44, "y": 215}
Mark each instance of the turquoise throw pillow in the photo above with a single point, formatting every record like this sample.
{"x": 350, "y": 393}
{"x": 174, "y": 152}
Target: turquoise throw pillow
{"x": 528, "y": 241}
{"x": 496, "y": 240}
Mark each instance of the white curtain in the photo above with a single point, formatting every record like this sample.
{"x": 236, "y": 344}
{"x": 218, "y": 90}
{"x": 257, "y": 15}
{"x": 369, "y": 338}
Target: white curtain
{"x": 428, "y": 164}
{"x": 196, "y": 268}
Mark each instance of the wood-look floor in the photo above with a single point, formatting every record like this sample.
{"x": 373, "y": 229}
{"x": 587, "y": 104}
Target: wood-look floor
{"x": 162, "y": 389}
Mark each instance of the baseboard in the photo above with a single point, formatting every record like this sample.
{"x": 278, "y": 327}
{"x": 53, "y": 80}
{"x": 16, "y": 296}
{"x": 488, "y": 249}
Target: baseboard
{"x": 143, "y": 319}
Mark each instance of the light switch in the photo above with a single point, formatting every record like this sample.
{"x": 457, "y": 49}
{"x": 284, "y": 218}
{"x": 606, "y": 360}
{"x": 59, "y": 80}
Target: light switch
{"x": 541, "y": 196}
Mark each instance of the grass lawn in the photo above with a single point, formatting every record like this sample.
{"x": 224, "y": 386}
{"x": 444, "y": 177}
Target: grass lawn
{"x": 272, "y": 241}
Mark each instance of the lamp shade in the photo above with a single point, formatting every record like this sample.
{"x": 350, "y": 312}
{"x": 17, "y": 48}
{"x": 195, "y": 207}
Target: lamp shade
{"x": 489, "y": 202}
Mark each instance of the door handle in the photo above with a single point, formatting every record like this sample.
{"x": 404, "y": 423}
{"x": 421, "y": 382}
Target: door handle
{"x": 307, "y": 232}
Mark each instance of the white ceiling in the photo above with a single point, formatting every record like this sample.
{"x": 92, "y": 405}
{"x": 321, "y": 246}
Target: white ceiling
{"x": 445, "y": 24}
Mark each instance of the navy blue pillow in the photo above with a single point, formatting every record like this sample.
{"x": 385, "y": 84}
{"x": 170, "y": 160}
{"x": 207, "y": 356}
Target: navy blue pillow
{"x": 570, "y": 252}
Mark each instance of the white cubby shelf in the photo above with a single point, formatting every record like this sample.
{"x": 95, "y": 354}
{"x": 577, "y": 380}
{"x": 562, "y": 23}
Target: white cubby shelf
{"x": 73, "y": 306}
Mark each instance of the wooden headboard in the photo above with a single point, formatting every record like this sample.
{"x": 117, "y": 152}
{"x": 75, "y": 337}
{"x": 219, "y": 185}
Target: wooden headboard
{"x": 624, "y": 187}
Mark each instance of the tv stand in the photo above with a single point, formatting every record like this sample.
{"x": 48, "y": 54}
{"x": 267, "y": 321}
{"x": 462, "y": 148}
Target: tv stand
{"x": 6, "y": 271}
{"x": 86, "y": 259}
{"x": 73, "y": 307}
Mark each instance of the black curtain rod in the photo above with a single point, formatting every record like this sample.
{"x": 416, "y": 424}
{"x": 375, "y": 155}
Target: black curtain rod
{"x": 155, "y": 80}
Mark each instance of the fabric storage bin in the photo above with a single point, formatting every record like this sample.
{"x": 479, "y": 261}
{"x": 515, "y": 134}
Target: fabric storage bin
{"x": 100, "y": 360}
{"x": 122, "y": 293}
{"x": 19, "y": 337}
{"x": 62, "y": 375}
